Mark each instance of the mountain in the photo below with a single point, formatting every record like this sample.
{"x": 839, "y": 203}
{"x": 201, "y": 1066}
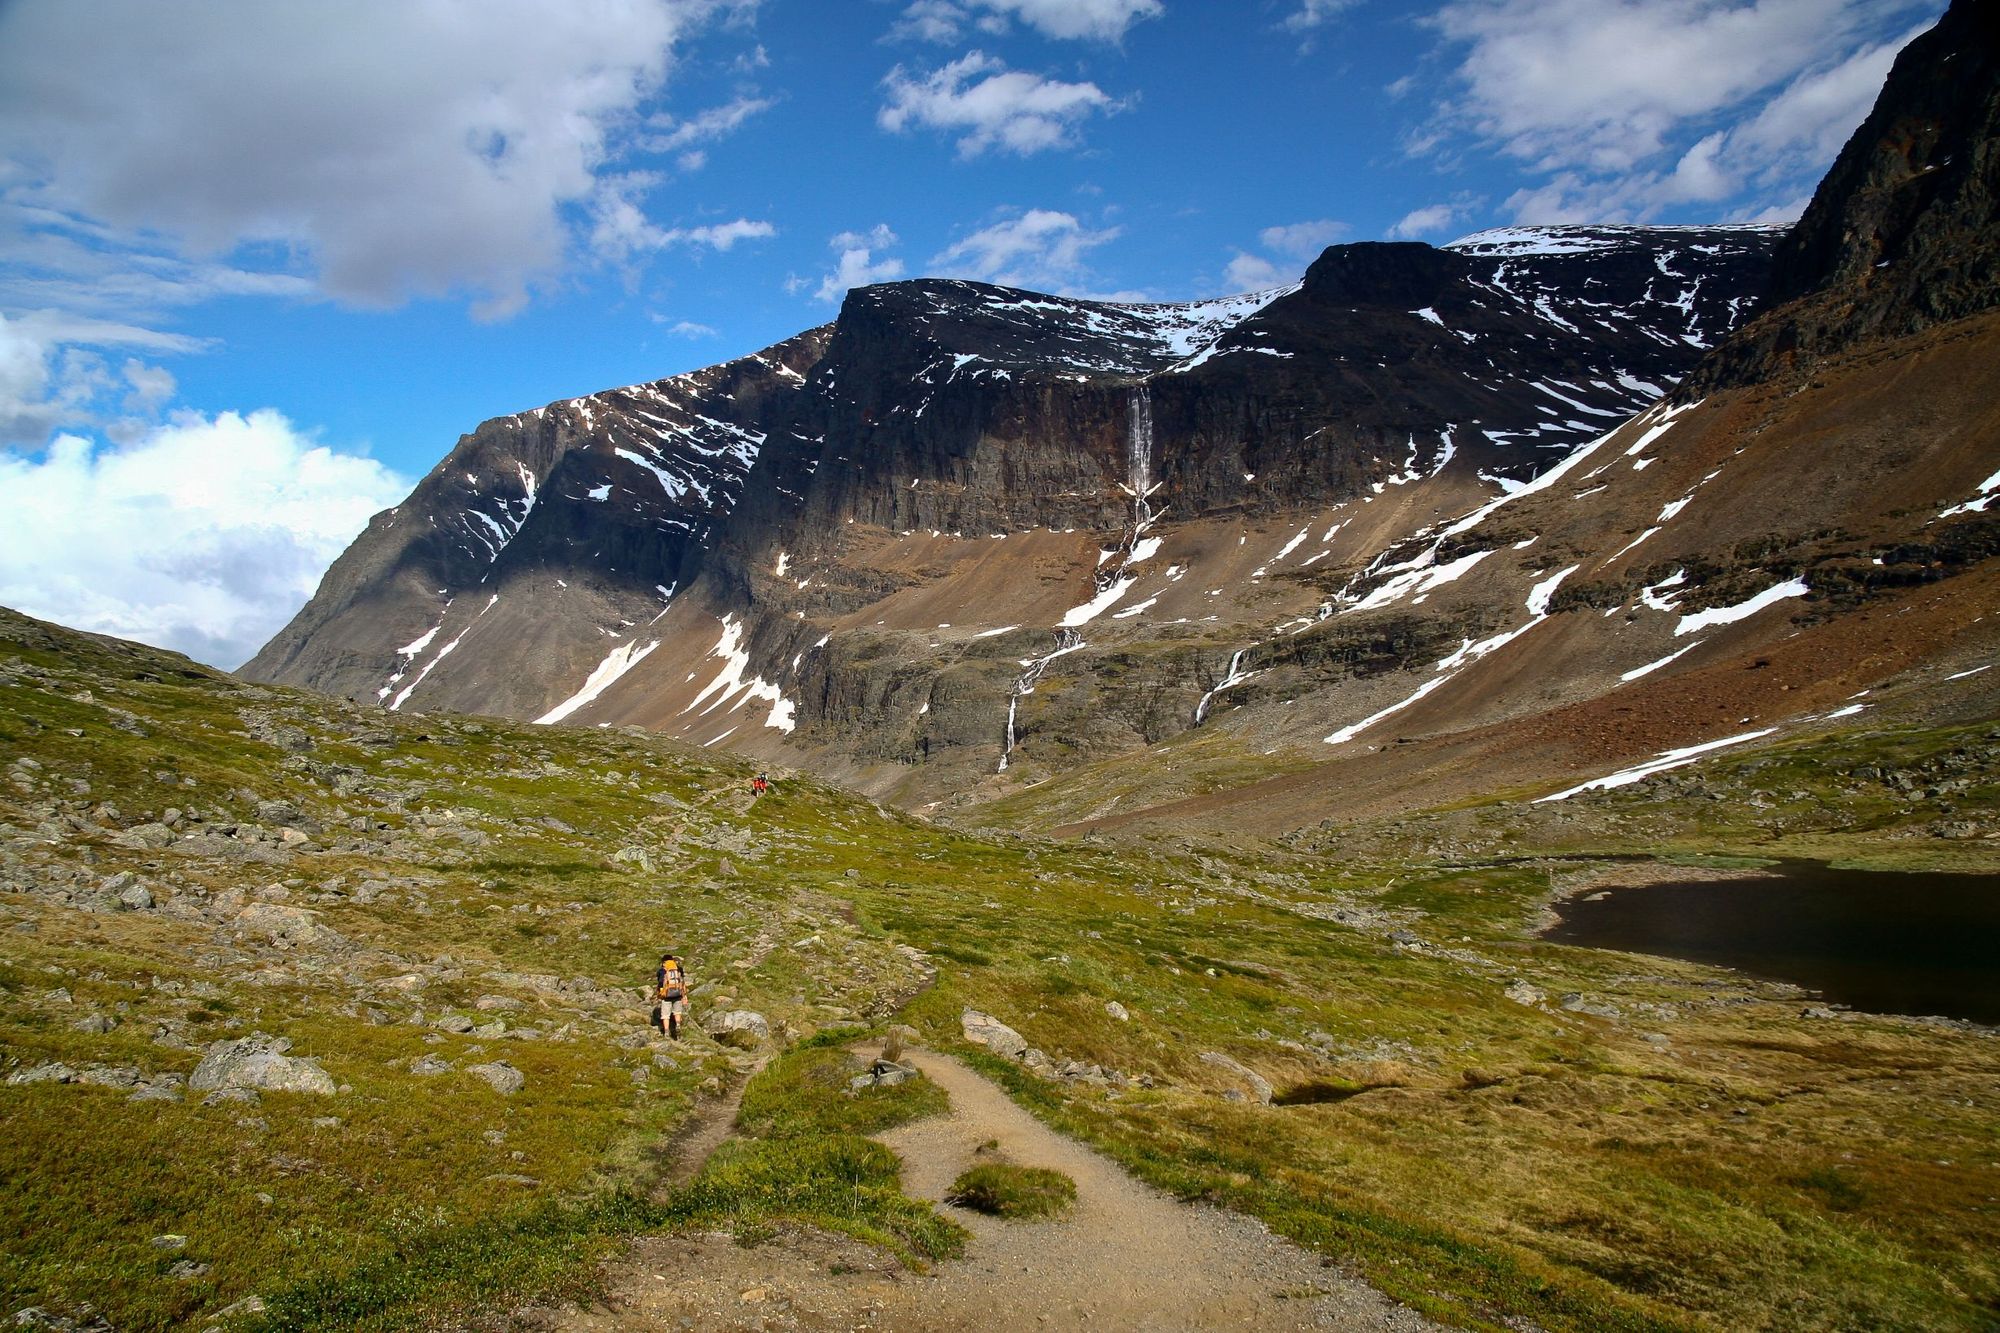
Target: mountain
{"x": 1434, "y": 522}
{"x": 866, "y": 529}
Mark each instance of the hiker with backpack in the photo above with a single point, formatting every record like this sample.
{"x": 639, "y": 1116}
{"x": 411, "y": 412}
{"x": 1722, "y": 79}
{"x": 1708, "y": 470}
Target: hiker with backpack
{"x": 670, "y": 988}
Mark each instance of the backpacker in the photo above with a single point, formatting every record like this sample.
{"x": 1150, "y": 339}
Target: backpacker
{"x": 673, "y": 983}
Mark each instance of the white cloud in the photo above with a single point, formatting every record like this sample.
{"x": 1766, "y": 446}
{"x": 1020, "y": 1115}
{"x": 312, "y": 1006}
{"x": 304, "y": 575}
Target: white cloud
{"x": 1041, "y": 249}
{"x": 688, "y": 328}
{"x": 1303, "y": 240}
{"x": 945, "y": 21}
{"x": 204, "y": 535}
{"x": 395, "y": 149}
{"x": 707, "y": 126}
{"x": 857, "y": 265}
{"x": 1254, "y": 273}
{"x": 1428, "y": 221}
{"x": 721, "y": 235}
{"x": 1627, "y": 108}
{"x": 1294, "y": 245}
{"x": 1313, "y": 14}
{"x": 1008, "y": 109}
{"x": 49, "y": 378}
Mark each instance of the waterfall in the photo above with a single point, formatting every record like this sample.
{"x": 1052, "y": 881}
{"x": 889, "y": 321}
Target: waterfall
{"x": 1236, "y": 676}
{"x": 1067, "y": 641}
{"x": 1139, "y": 456}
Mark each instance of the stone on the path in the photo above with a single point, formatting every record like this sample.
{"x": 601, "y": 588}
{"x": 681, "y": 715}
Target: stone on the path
{"x": 259, "y": 1062}
{"x": 738, "y": 1027}
{"x": 1260, "y": 1087}
{"x": 884, "y": 1073}
{"x": 995, "y": 1036}
{"x": 501, "y": 1076}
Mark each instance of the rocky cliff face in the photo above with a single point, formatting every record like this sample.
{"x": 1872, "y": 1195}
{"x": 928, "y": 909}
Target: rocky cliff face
{"x": 1899, "y": 238}
{"x": 547, "y": 554}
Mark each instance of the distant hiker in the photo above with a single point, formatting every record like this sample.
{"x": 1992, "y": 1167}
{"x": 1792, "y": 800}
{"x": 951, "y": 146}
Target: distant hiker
{"x": 759, "y": 785}
{"x": 670, "y": 988}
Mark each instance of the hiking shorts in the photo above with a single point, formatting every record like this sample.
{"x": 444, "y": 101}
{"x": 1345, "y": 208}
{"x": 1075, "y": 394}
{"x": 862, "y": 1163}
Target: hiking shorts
{"x": 672, "y": 1009}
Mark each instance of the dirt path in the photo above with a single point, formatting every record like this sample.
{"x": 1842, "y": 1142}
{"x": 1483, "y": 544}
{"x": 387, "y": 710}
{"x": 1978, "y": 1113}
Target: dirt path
{"x": 1125, "y": 1257}
{"x": 708, "y": 1129}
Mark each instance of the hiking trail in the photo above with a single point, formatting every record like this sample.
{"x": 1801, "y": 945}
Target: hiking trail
{"x": 1126, "y": 1256}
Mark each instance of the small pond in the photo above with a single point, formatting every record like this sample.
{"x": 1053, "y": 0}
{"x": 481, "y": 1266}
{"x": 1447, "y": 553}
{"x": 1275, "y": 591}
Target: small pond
{"x": 1885, "y": 942}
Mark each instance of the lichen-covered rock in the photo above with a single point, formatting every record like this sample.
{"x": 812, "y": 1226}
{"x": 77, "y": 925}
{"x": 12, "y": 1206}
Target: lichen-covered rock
{"x": 738, "y": 1027}
{"x": 1260, "y": 1087}
{"x": 259, "y": 1062}
{"x": 502, "y": 1077}
{"x": 994, "y": 1035}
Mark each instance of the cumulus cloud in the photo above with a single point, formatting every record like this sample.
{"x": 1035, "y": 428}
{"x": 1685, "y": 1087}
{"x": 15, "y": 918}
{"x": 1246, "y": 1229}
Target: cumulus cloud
{"x": 393, "y": 149}
{"x": 1630, "y": 107}
{"x": 1428, "y": 220}
{"x": 621, "y": 229}
{"x": 945, "y": 21}
{"x": 990, "y": 106}
{"x": 1288, "y": 249}
{"x": 1040, "y": 249}
{"x": 857, "y": 265}
{"x": 204, "y": 535}
{"x": 1303, "y": 240}
{"x": 1253, "y": 273}
{"x": 687, "y": 328}
{"x": 51, "y": 376}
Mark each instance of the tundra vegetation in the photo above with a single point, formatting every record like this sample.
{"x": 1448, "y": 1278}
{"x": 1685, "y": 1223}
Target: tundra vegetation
{"x": 451, "y": 920}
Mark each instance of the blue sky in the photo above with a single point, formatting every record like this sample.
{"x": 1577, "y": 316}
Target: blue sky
{"x": 261, "y": 265}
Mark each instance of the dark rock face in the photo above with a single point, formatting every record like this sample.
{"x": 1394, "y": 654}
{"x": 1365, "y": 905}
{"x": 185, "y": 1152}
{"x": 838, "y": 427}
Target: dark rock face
{"x": 546, "y": 538}
{"x": 1900, "y": 235}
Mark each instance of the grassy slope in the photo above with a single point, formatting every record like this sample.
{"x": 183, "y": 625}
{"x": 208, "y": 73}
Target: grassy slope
{"x": 1707, "y": 1159}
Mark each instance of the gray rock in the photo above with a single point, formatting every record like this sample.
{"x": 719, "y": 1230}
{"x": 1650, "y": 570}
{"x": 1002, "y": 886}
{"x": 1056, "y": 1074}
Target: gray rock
{"x": 995, "y": 1036}
{"x": 112, "y": 1076}
{"x": 50, "y": 1073}
{"x": 1520, "y": 992}
{"x": 96, "y": 1024}
{"x": 169, "y": 1242}
{"x": 138, "y": 898}
{"x": 1576, "y": 1003}
{"x": 259, "y": 1062}
{"x": 501, "y": 1076}
{"x": 453, "y": 1023}
{"x": 738, "y": 1027}
{"x": 156, "y": 1092}
{"x": 428, "y": 1065}
{"x": 249, "y": 1305}
{"x": 1117, "y": 1011}
{"x": 488, "y": 1003}
{"x": 221, "y": 1096}
{"x": 1259, "y": 1086}
{"x": 148, "y": 837}
{"x": 274, "y": 921}
{"x": 187, "y": 1270}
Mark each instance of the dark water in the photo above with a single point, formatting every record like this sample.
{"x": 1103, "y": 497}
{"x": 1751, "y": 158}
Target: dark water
{"x": 1889, "y": 943}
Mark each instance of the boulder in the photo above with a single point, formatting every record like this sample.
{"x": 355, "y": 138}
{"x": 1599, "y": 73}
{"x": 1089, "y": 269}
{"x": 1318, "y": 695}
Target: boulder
{"x": 738, "y": 1027}
{"x": 501, "y": 1076}
{"x": 884, "y": 1074}
{"x": 259, "y": 1062}
{"x": 1259, "y": 1086}
{"x": 275, "y": 921}
{"x": 1117, "y": 1011}
{"x": 138, "y": 898}
{"x": 146, "y": 837}
{"x": 453, "y": 1023}
{"x": 995, "y": 1036}
{"x": 1520, "y": 992}
{"x": 428, "y": 1065}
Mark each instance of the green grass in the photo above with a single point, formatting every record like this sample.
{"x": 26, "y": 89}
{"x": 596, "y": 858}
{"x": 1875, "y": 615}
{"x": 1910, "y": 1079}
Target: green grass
{"x": 1486, "y": 1161}
{"x": 1013, "y": 1192}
